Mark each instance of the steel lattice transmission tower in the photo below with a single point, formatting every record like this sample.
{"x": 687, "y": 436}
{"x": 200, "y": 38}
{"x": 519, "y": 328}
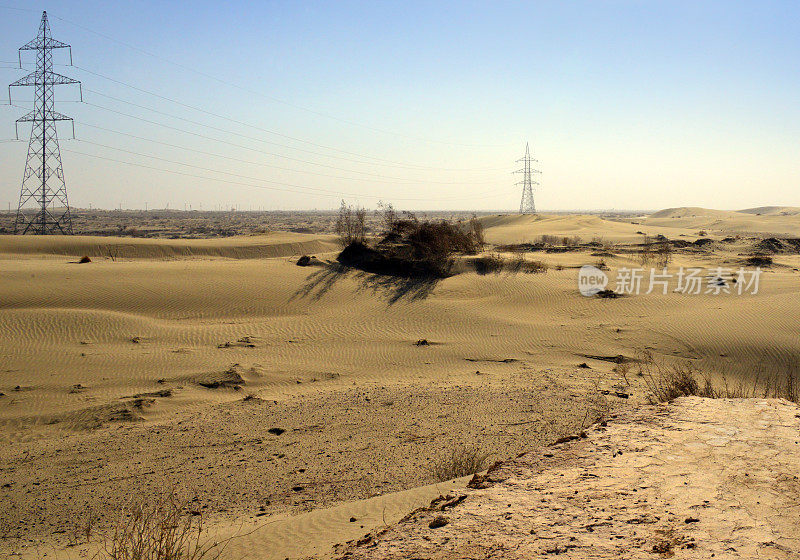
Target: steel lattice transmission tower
{"x": 527, "y": 206}
{"x": 43, "y": 180}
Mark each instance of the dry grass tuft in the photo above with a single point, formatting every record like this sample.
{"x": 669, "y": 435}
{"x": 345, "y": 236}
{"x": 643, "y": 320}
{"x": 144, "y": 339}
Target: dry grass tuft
{"x": 166, "y": 530}
{"x": 489, "y": 264}
{"x": 461, "y": 461}
{"x": 666, "y": 383}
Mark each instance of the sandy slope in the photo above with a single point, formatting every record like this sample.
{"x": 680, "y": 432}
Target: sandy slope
{"x": 101, "y": 364}
{"x": 506, "y": 229}
{"x": 697, "y": 478}
{"x": 253, "y": 247}
{"x": 773, "y": 221}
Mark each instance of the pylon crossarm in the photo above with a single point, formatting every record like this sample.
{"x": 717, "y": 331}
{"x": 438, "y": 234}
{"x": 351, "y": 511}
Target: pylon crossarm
{"x": 53, "y": 116}
{"x": 43, "y": 43}
{"x": 44, "y": 78}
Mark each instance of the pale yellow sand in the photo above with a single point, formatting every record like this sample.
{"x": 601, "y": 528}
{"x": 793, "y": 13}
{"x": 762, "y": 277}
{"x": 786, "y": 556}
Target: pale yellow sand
{"x": 697, "y": 478}
{"x": 331, "y": 356}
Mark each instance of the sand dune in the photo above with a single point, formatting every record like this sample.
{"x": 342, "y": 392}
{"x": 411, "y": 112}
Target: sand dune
{"x": 124, "y": 377}
{"x": 775, "y": 221}
{"x": 773, "y": 210}
{"x": 508, "y": 229}
{"x": 253, "y": 247}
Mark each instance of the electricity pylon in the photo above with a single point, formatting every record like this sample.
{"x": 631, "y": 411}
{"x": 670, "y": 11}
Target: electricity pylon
{"x": 43, "y": 180}
{"x": 527, "y": 206}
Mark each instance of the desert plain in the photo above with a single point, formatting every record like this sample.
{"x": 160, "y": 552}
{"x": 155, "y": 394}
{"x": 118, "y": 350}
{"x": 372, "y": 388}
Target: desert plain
{"x": 297, "y": 407}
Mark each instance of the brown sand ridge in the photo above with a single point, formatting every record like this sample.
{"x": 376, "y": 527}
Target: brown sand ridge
{"x": 279, "y": 244}
{"x": 696, "y": 478}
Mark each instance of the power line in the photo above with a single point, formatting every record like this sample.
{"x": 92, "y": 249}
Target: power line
{"x": 378, "y": 162}
{"x": 201, "y": 168}
{"x": 383, "y": 179}
{"x": 238, "y": 122}
{"x": 260, "y": 94}
{"x": 292, "y": 189}
{"x": 196, "y": 134}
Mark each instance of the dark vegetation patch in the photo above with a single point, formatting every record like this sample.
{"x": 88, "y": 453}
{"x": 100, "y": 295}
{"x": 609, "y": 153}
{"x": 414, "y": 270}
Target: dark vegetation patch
{"x": 773, "y": 245}
{"x": 459, "y": 461}
{"x": 608, "y": 294}
{"x": 520, "y": 247}
{"x": 618, "y": 359}
{"x": 408, "y": 247}
{"x": 163, "y": 393}
{"x": 758, "y": 260}
{"x": 229, "y": 378}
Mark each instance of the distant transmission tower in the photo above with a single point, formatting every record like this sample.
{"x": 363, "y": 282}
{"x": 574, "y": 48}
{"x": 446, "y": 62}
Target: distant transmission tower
{"x": 43, "y": 181}
{"x": 527, "y": 206}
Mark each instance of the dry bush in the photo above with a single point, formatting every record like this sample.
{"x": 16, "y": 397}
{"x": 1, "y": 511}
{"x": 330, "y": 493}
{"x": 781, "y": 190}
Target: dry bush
{"x": 550, "y": 240}
{"x": 412, "y": 247}
{"x": 476, "y": 232}
{"x": 387, "y": 215}
{"x": 666, "y": 383}
{"x": 646, "y": 252}
{"x": 663, "y": 254}
{"x": 164, "y": 530}
{"x": 489, "y": 264}
{"x": 461, "y": 461}
{"x": 534, "y": 267}
{"x": 758, "y": 260}
{"x": 513, "y": 266}
{"x": 351, "y": 224}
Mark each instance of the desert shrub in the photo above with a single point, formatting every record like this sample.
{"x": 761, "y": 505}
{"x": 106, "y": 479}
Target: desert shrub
{"x": 646, "y": 251}
{"x": 663, "y": 253}
{"x": 460, "y": 461}
{"x": 666, "y": 383}
{"x": 519, "y": 264}
{"x": 476, "y": 233}
{"x": 164, "y": 530}
{"x": 411, "y": 247}
{"x": 758, "y": 260}
{"x": 549, "y": 240}
{"x": 534, "y": 267}
{"x": 489, "y": 264}
{"x": 387, "y": 215}
{"x": 351, "y": 224}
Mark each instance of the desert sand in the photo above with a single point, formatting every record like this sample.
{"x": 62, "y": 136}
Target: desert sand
{"x": 695, "y": 478}
{"x": 284, "y": 400}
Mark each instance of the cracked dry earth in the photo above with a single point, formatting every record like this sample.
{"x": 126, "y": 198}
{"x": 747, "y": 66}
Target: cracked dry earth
{"x": 695, "y": 478}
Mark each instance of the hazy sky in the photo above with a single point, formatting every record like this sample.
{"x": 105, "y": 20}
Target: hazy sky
{"x": 295, "y": 105}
